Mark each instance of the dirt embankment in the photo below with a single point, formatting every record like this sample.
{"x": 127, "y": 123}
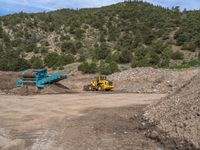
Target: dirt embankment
{"x": 8, "y": 81}
{"x": 149, "y": 80}
{"x": 176, "y": 118}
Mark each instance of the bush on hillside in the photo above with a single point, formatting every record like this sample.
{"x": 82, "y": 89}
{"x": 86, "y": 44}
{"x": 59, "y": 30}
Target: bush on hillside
{"x": 108, "y": 68}
{"x": 85, "y": 67}
{"x": 36, "y": 62}
{"x": 113, "y": 66}
{"x": 190, "y": 46}
{"x": 55, "y": 60}
{"x": 102, "y": 52}
{"x": 68, "y": 47}
{"x": 177, "y": 55}
{"x": 125, "y": 56}
{"x": 11, "y": 61}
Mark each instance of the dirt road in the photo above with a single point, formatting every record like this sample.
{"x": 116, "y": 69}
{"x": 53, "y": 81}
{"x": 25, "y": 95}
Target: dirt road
{"x": 57, "y": 121}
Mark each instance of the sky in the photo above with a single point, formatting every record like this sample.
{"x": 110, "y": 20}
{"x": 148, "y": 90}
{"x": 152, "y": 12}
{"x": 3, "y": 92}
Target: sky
{"x": 13, "y": 6}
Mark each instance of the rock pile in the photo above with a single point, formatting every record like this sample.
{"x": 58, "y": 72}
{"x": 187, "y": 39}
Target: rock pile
{"x": 149, "y": 80}
{"x": 177, "y": 117}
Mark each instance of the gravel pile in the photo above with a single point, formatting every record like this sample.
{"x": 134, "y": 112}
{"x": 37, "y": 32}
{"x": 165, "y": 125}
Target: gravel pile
{"x": 149, "y": 80}
{"x": 177, "y": 117}
{"x": 55, "y": 89}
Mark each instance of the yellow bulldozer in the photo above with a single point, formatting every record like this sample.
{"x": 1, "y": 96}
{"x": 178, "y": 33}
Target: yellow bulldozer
{"x": 100, "y": 84}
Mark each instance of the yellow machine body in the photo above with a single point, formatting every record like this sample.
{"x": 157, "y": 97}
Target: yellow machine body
{"x": 100, "y": 84}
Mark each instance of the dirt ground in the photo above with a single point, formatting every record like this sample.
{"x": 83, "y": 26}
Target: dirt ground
{"x": 74, "y": 121}
{"x": 50, "y": 120}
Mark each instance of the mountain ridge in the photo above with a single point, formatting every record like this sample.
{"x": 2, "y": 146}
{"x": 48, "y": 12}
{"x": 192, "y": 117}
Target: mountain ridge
{"x": 136, "y": 33}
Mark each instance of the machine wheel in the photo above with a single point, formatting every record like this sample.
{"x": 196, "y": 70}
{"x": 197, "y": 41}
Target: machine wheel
{"x": 100, "y": 88}
{"x": 87, "y": 88}
{"x": 90, "y": 88}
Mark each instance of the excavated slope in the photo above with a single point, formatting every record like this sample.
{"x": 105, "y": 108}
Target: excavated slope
{"x": 177, "y": 117}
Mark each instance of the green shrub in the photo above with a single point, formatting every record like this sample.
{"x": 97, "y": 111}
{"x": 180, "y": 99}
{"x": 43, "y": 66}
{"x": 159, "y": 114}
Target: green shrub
{"x": 108, "y": 68}
{"x": 85, "y": 67}
{"x": 51, "y": 60}
{"x": 140, "y": 53}
{"x": 43, "y": 50}
{"x": 103, "y": 68}
{"x": 68, "y": 47}
{"x": 181, "y": 37}
{"x": 153, "y": 58}
{"x": 79, "y": 45}
{"x": 194, "y": 63}
{"x": 115, "y": 56}
{"x": 1, "y": 32}
{"x": 102, "y": 52}
{"x": 47, "y": 43}
{"x": 65, "y": 38}
{"x": 177, "y": 55}
{"x": 190, "y": 46}
{"x": 30, "y": 47}
{"x": 66, "y": 59}
{"x": 79, "y": 33}
{"x": 140, "y": 63}
{"x": 125, "y": 56}
{"x": 113, "y": 66}
{"x": 36, "y": 62}
{"x": 10, "y": 60}
{"x": 83, "y": 54}
{"x": 6, "y": 37}
{"x": 191, "y": 63}
{"x": 158, "y": 47}
{"x": 20, "y": 64}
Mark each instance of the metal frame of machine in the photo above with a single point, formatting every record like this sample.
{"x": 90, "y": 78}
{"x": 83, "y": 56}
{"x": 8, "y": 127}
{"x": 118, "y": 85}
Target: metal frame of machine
{"x": 39, "y": 78}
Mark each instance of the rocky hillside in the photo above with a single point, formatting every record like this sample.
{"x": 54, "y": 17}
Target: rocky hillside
{"x": 135, "y": 33}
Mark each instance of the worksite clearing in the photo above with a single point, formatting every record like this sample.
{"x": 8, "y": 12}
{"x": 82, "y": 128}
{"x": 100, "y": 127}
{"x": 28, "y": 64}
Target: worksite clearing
{"x": 148, "y": 109}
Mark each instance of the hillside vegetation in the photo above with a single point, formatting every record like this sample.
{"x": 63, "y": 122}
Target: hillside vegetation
{"x": 135, "y": 33}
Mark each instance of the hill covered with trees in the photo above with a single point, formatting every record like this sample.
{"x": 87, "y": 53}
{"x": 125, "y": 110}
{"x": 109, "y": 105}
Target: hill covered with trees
{"x": 135, "y": 33}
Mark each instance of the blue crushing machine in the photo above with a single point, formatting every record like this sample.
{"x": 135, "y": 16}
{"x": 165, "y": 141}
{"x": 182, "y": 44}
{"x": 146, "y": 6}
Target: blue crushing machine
{"x": 39, "y": 78}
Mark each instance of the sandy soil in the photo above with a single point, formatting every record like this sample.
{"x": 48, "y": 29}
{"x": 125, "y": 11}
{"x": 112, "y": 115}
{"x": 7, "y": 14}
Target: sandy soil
{"x": 48, "y": 122}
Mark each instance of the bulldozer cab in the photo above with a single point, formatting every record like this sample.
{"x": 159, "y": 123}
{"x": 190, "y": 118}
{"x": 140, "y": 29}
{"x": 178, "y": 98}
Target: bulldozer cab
{"x": 99, "y": 78}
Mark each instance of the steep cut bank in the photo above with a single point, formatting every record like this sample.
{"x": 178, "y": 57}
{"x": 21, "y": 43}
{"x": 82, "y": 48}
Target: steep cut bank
{"x": 176, "y": 119}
